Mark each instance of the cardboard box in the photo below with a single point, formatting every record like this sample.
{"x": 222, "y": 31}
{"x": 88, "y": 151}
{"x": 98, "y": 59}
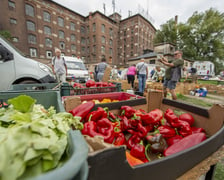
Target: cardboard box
{"x": 111, "y": 163}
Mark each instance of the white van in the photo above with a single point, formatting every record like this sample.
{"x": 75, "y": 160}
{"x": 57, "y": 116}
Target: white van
{"x": 76, "y": 69}
{"x": 15, "y": 68}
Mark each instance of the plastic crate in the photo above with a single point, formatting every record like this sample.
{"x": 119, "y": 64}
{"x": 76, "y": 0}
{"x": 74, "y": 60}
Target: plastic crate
{"x": 68, "y": 90}
{"x": 76, "y": 167}
{"x": 123, "y": 97}
{"x": 46, "y": 98}
{"x": 39, "y": 86}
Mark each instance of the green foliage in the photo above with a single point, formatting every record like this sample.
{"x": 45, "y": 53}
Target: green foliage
{"x": 6, "y": 34}
{"x": 201, "y": 38}
{"x": 219, "y": 171}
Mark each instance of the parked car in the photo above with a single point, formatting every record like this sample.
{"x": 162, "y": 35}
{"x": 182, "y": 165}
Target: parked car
{"x": 15, "y": 68}
{"x": 76, "y": 69}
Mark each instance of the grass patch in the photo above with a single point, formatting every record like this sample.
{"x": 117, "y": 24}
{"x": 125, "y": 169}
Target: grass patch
{"x": 219, "y": 172}
{"x": 194, "y": 101}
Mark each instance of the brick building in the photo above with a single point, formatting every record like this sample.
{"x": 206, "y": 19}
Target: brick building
{"x": 39, "y": 26}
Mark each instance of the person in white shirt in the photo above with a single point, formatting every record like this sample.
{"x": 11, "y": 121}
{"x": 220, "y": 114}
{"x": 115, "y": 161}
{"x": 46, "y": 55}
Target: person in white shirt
{"x": 59, "y": 67}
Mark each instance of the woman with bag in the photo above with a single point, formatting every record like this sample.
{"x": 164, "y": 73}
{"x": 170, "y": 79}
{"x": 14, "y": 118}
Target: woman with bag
{"x": 131, "y": 75}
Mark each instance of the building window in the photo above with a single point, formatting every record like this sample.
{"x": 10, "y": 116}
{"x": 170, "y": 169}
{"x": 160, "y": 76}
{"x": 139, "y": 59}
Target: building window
{"x": 12, "y": 5}
{"x": 33, "y": 52}
{"x": 83, "y": 50}
{"x": 73, "y": 47}
{"x": 83, "y": 41}
{"x": 47, "y": 16}
{"x": 29, "y": 10}
{"x": 60, "y": 21}
{"x": 83, "y": 29}
{"x": 32, "y": 39}
{"x": 94, "y": 49}
{"x": 48, "y": 42}
{"x": 73, "y": 37}
{"x": 62, "y": 45}
{"x": 47, "y": 30}
{"x": 102, "y": 49}
{"x": 72, "y": 26}
{"x": 30, "y": 25}
{"x": 61, "y": 34}
{"x": 48, "y": 54}
{"x": 15, "y": 39}
{"x": 111, "y": 42}
{"x": 111, "y": 51}
{"x": 153, "y": 61}
{"x": 94, "y": 39}
{"x": 94, "y": 27}
{"x": 103, "y": 40}
{"x": 13, "y": 21}
{"x": 103, "y": 28}
{"x": 111, "y": 32}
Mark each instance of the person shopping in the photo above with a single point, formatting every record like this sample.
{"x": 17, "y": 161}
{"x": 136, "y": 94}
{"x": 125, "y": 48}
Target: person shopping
{"x": 142, "y": 75}
{"x": 131, "y": 75}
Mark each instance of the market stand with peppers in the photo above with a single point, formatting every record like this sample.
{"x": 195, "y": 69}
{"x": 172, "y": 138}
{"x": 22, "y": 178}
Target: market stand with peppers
{"x": 111, "y": 162}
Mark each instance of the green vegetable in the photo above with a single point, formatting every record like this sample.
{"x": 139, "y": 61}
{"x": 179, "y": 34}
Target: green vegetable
{"x": 33, "y": 139}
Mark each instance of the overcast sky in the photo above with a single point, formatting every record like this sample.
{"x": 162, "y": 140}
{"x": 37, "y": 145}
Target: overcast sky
{"x": 159, "y": 11}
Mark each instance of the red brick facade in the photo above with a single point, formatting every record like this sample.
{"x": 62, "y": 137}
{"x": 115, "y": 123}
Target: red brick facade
{"x": 39, "y": 26}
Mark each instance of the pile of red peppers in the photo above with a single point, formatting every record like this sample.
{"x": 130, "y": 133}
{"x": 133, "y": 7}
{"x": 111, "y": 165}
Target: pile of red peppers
{"x": 143, "y": 133}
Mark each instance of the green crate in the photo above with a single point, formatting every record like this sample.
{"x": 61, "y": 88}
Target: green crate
{"x": 46, "y": 98}
{"x": 68, "y": 90}
{"x": 76, "y": 167}
{"x": 39, "y": 86}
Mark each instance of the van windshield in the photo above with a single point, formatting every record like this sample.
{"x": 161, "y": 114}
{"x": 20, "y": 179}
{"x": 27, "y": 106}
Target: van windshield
{"x": 75, "y": 65}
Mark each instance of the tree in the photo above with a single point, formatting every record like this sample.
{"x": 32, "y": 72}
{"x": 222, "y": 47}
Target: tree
{"x": 201, "y": 38}
{"x": 167, "y": 34}
{"x": 6, "y": 34}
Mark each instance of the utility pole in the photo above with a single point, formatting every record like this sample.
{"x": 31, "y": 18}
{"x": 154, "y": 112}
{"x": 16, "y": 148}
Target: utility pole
{"x": 104, "y": 8}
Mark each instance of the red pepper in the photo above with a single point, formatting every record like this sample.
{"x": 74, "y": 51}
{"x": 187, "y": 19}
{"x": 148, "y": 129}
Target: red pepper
{"x": 105, "y": 127}
{"x": 117, "y": 128}
{"x": 90, "y": 129}
{"x": 187, "y": 117}
{"x": 140, "y": 131}
{"x": 132, "y": 141}
{"x": 98, "y": 114}
{"x": 183, "y": 127}
{"x": 170, "y": 116}
{"x": 153, "y": 117}
{"x": 90, "y": 83}
{"x": 120, "y": 140}
{"x": 185, "y": 143}
{"x": 197, "y": 130}
{"x": 83, "y": 109}
{"x": 138, "y": 151}
{"x": 157, "y": 143}
{"x": 166, "y": 131}
{"x": 173, "y": 140}
{"x": 127, "y": 111}
{"x": 124, "y": 123}
{"x": 149, "y": 127}
{"x": 112, "y": 117}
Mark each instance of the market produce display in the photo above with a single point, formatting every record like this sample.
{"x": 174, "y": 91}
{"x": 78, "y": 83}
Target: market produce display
{"x": 33, "y": 140}
{"x": 147, "y": 136}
